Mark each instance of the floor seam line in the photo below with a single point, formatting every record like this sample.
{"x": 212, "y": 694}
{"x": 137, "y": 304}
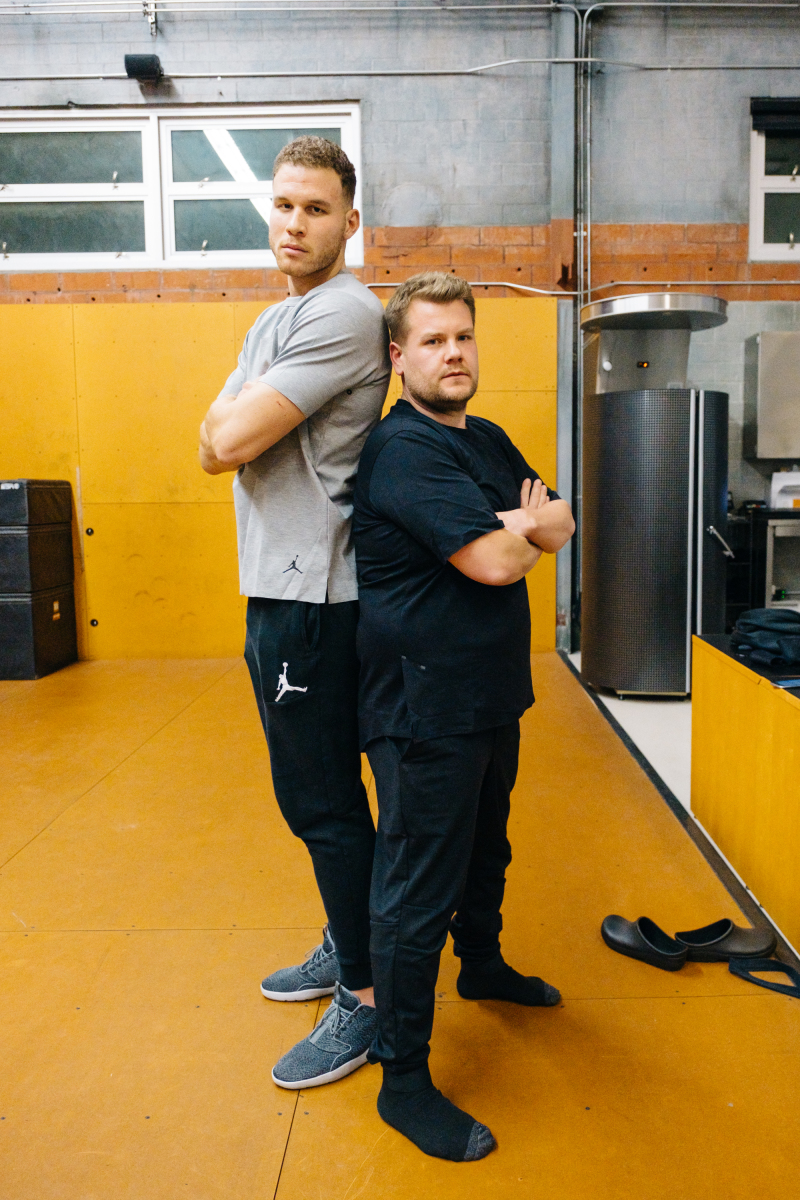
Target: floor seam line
{"x": 116, "y": 767}
{"x": 173, "y": 929}
{"x": 297, "y": 1096}
{"x": 628, "y": 999}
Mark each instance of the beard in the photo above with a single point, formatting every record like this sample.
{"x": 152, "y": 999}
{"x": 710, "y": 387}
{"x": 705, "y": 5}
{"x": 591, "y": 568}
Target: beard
{"x": 434, "y": 398}
{"x": 313, "y": 261}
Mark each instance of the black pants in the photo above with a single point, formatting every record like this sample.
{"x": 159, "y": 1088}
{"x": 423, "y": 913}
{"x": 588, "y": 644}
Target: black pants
{"x": 440, "y": 861}
{"x": 302, "y": 661}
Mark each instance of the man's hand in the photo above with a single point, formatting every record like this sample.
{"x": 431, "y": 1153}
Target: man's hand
{"x": 239, "y": 428}
{"x": 531, "y": 499}
{"x": 208, "y": 461}
{"x": 543, "y": 522}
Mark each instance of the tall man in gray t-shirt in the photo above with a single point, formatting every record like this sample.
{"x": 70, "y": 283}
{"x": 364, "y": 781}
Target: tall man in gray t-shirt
{"x": 291, "y": 421}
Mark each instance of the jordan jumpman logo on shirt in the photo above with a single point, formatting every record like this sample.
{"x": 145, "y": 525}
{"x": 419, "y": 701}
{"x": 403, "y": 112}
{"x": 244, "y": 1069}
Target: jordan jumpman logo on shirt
{"x": 284, "y": 686}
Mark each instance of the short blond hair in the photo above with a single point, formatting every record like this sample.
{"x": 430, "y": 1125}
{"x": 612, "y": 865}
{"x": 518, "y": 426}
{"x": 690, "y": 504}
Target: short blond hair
{"x": 434, "y": 286}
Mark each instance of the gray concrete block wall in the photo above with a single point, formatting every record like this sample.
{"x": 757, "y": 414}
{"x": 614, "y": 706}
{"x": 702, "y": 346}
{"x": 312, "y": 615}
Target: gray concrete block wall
{"x": 676, "y": 146}
{"x": 476, "y": 148}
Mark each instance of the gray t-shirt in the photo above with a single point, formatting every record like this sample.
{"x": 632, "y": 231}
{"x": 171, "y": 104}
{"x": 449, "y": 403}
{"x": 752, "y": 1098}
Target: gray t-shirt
{"x": 327, "y": 352}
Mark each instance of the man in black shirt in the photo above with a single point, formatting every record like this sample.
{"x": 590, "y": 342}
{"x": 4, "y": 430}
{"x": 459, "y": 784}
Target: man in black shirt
{"x": 448, "y": 520}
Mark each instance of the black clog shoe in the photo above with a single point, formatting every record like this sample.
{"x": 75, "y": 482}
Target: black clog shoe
{"x": 722, "y": 941}
{"x": 644, "y": 940}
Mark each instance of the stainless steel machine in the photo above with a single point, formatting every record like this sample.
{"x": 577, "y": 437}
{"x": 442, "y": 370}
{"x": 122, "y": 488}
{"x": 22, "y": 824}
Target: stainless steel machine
{"x": 782, "y": 573}
{"x": 655, "y": 482}
{"x": 772, "y": 432}
{"x": 772, "y": 395}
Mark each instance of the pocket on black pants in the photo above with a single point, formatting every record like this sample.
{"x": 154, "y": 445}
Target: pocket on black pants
{"x": 282, "y": 650}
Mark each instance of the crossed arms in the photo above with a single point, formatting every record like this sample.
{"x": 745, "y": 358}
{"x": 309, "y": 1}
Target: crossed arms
{"x": 506, "y": 555}
{"x": 239, "y": 428}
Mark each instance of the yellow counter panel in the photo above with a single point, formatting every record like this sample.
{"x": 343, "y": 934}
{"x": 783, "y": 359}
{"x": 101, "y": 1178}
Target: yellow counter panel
{"x": 746, "y": 778}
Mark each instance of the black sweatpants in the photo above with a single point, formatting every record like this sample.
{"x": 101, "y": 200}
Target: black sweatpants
{"x": 440, "y": 861}
{"x": 302, "y": 661}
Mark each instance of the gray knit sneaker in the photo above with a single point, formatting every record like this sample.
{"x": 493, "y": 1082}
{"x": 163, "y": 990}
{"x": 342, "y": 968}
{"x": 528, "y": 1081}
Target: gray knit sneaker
{"x": 315, "y": 977}
{"x": 337, "y": 1046}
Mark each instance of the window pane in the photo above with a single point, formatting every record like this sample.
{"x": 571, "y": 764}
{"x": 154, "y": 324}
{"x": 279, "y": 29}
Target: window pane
{"x": 220, "y": 155}
{"x": 91, "y": 227}
{"x": 781, "y": 216}
{"x": 782, "y": 153}
{"x": 221, "y": 224}
{"x": 70, "y": 157}
{"x": 194, "y": 158}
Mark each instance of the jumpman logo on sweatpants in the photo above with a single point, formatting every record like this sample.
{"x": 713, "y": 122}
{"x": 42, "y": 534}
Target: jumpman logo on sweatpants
{"x": 293, "y": 566}
{"x": 284, "y": 686}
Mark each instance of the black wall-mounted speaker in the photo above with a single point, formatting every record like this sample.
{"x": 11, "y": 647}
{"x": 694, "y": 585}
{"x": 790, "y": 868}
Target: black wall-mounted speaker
{"x": 144, "y": 67}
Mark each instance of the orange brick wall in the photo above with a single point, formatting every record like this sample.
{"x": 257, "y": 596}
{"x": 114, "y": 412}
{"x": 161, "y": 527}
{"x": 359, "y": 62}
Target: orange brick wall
{"x": 531, "y": 255}
{"x": 539, "y": 256}
{"x": 519, "y": 253}
{"x": 651, "y": 255}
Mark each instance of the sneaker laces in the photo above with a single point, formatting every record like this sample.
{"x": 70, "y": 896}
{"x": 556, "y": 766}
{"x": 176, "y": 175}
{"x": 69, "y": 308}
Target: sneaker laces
{"x": 334, "y": 1018}
{"x": 314, "y": 957}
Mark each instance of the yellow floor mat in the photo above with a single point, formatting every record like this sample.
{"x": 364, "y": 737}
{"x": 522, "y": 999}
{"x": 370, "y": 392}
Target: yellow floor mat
{"x": 148, "y": 883}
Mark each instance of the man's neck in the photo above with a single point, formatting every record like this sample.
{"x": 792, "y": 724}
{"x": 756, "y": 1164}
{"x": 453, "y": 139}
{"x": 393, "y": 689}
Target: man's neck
{"x": 304, "y": 284}
{"x": 456, "y": 420}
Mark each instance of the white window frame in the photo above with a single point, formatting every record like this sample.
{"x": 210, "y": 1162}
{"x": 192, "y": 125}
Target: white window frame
{"x": 760, "y": 185}
{"x": 157, "y": 190}
{"x": 148, "y": 192}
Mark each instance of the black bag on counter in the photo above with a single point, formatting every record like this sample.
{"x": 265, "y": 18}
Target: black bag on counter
{"x": 770, "y": 635}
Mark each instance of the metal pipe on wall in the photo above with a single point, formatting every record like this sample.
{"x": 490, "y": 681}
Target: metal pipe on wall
{"x": 378, "y": 72}
{"x": 70, "y": 7}
{"x": 695, "y": 283}
{"x": 487, "y": 283}
{"x": 152, "y": 8}
{"x": 386, "y": 72}
{"x": 28, "y": 8}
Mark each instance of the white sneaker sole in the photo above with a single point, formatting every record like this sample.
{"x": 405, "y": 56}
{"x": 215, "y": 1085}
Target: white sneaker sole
{"x": 330, "y": 1076}
{"x": 304, "y": 994}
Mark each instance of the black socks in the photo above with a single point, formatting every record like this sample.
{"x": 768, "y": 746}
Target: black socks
{"x": 411, "y": 1104}
{"x": 496, "y": 980}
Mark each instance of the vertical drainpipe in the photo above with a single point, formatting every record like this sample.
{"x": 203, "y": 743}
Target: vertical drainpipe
{"x": 584, "y": 284}
{"x": 562, "y": 211}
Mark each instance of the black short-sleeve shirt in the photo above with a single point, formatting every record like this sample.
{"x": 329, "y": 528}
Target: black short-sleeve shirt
{"x": 440, "y": 653}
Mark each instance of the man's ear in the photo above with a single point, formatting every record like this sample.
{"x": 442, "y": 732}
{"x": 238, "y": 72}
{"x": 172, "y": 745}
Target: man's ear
{"x": 352, "y": 222}
{"x": 396, "y": 355}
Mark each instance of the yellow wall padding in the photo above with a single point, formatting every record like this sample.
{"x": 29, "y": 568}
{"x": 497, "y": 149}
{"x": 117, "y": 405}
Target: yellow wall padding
{"x": 111, "y": 398}
{"x": 745, "y": 770}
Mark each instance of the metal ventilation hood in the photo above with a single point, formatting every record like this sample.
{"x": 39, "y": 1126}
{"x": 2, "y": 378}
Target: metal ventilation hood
{"x": 642, "y": 341}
